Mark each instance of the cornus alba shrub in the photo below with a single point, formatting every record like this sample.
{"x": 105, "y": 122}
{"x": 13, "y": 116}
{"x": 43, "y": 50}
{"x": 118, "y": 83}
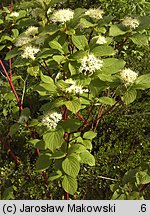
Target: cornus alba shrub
{"x": 71, "y": 59}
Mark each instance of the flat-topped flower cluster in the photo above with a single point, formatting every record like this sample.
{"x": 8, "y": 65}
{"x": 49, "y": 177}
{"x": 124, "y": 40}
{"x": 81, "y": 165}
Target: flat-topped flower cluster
{"x": 51, "y": 119}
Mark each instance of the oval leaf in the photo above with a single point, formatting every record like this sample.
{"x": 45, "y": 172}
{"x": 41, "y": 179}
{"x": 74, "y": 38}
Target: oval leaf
{"x": 69, "y": 184}
{"x": 71, "y": 166}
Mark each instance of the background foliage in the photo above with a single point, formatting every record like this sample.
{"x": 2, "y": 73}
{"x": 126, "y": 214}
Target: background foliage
{"x": 121, "y": 146}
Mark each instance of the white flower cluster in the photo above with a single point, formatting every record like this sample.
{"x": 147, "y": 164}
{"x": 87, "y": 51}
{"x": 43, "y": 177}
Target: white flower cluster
{"x": 89, "y": 64}
{"x": 51, "y": 119}
{"x": 22, "y": 40}
{"x": 31, "y": 31}
{"x": 29, "y": 52}
{"x": 101, "y": 40}
{"x": 74, "y": 88}
{"x": 128, "y": 76}
{"x": 95, "y": 13}
{"x": 130, "y": 22}
{"x": 62, "y": 15}
{"x": 14, "y": 14}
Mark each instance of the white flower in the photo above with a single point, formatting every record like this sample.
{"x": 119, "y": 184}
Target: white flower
{"x": 95, "y": 13}
{"x": 22, "y": 40}
{"x": 62, "y": 15}
{"x": 14, "y": 14}
{"x": 101, "y": 40}
{"x": 32, "y": 30}
{"x": 128, "y": 76}
{"x": 29, "y": 52}
{"x": 49, "y": 11}
{"x": 51, "y": 119}
{"x": 89, "y": 64}
{"x": 74, "y": 88}
{"x": 130, "y": 22}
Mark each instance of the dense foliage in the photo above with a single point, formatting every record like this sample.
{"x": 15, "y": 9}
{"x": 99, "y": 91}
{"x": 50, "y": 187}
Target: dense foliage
{"x": 74, "y": 94}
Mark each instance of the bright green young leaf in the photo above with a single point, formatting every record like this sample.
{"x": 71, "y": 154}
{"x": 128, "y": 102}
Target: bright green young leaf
{"x": 33, "y": 71}
{"x": 107, "y": 100}
{"x": 112, "y": 65}
{"x": 86, "y": 24}
{"x": 73, "y": 105}
{"x": 142, "y": 177}
{"x": 58, "y": 154}
{"x": 69, "y": 184}
{"x": 87, "y": 158}
{"x": 55, "y": 45}
{"x": 115, "y": 31}
{"x": 80, "y": 41}
{"x": 143, "y": 82}
{"x": 43, "y": 162}
{"x": 129, "y": 96}
{"x": 71, "y": 166}
{"x": 53, "y": 139}
{"x": 103, "y": 50}
{"x": 47, "y": 87}
{"x": 76, "y": 148}
{"x": 140, "y": 39}
{"x": 55, "y": 175}
{"x": 89, "y": 135}
{"x": 72, "y": 69}
{"x": 87, "y": 144}
{"x": 46, "y": 79}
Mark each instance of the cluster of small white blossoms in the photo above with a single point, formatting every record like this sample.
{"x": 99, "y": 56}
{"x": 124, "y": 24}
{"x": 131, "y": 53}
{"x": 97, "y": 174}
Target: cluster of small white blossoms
{"x": 14, "y": 14}
{"x": 128, "y": 76}
{"x": 31, "y": 31}
{"x": 22, "y": 40}
{"x": 62, "y": 15}
{"x": 95, "y": 13}
{"x": 51, "y": 119}
{"x": 89, "y": 64}
{"x": 74, "y": 88}
{"x": 29, "y": 52}
{"x": 101, "y": 40}
{"x": 130, "y": 22}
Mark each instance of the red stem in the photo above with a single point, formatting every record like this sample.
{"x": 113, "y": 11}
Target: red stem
{"x": 12, "y": 86}
{"x": 10, "y": 152}
{"x": 81, "y": 117}
{"x": 11, "y": 6}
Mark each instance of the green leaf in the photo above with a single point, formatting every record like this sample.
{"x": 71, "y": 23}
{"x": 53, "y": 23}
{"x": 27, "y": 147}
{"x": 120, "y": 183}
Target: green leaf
{"x": 71, "y": 166}
{"x": 87, "y": 158}
{"x": 55, "y": 175}
{"x": 70, "y": 125}
{"x": 33, "y": 71}
{"x": 12, "y": 53}
{"x": 58, "y": 58}
{"x": 129, "y": 96}
{"x": 103, "y": 50}
{"x": 40, "y": 144}
{"x": 76, "y": 148}
{"x": 53, "y": 139}
{"x": 42, "y": 163}
{"x": 72, "y": 69}
{"x": 69, "y": 184}
{"x": 115, "y": 31}
{"x": 140, "y": 39}
{"x": 143, "y": 82}
{"x": 14, "y": 129}
{"x": 112, "y": 65}
{"x": 142, "y": 177}
{"x": 46, "y": 79}
{"x": 8, "y": 193}
{"x": 80, "y": 41}
{"x": 107, "y": 100}
{"x": 58, "y": 154}
{"x": 46, "y": 87}
{"x": 89, "y": 135}
{"x": 73, "y": 105}
{"x": 86, "y": 24}
{"x": 55, "y": 45}
{"x": 87, "y": 144}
